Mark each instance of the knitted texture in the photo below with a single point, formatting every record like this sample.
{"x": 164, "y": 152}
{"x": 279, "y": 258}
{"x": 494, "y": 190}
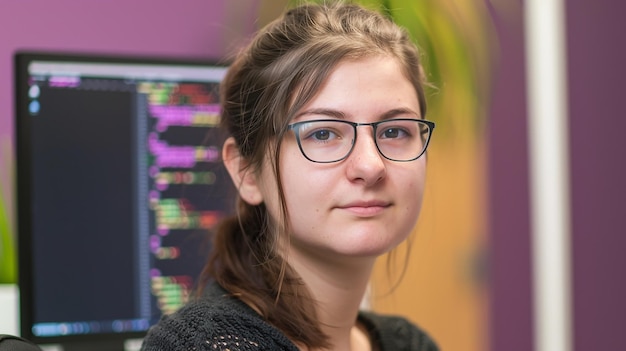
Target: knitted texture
{"x": 219, "y": 322}
{"x": 394, "y": 333}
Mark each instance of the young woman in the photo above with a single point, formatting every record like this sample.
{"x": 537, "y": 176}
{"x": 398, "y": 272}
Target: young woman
{"x": 325, "y": 109}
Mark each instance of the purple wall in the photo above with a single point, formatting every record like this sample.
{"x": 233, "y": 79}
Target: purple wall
{"x": 509, "y": 214}
{"x": 597, "y": 79}
{"x": 190, "y": 28}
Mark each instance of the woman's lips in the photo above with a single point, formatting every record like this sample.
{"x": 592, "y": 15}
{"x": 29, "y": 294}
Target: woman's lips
{"x": 365, "y": 208}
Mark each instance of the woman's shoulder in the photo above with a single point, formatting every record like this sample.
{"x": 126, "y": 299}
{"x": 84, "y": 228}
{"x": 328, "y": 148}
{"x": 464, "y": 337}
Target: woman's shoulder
{"x": 396, "y": 333}
{"x": 214, "y": 322}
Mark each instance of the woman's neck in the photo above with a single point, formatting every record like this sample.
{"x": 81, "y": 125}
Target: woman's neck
{"x": 338, "y": 288}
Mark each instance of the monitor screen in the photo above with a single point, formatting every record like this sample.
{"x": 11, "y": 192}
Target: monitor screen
{"x": 119, "y": 185}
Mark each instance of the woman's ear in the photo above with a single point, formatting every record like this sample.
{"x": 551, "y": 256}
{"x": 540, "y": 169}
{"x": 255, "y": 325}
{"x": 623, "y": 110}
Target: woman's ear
{"x": 245, "y": 179}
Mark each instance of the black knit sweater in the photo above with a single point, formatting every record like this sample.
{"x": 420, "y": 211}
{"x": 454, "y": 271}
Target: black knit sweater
{"x": 220, "y": 322}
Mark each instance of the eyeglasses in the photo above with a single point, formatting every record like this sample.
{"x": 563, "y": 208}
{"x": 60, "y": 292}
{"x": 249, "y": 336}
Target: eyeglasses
{"x": 331, "y": 140}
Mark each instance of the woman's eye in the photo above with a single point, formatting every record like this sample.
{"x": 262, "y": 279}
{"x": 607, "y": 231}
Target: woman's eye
{"x": 323, "y": 134}
{"x": 392, "y": 133}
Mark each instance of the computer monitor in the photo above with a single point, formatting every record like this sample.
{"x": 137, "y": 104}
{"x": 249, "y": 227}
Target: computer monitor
{"x": 119, "y": 185}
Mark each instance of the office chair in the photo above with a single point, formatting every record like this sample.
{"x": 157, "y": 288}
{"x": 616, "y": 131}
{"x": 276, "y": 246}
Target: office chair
{"x": 15, "y": 343}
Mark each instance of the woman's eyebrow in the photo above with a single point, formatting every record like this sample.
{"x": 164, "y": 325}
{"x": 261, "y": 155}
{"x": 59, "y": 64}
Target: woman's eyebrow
{"x": 341, "y": 115}
{"x": 397, "y": 112}
{"x": 322, "y": 111}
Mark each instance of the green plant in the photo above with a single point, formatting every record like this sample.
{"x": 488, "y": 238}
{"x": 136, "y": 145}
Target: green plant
{"x": 7, "y": 251}
{"x": 8, "y": 266}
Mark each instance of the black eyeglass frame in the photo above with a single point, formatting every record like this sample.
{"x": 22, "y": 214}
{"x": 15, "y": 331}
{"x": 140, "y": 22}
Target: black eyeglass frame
{"x": 430, "y": 124}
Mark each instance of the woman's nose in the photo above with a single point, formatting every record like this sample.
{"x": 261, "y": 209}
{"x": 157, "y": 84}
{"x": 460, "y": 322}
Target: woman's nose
{"x": 365, "y": 163}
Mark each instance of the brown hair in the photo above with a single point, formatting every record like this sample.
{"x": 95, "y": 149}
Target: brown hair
{"x": 268, "y": 82}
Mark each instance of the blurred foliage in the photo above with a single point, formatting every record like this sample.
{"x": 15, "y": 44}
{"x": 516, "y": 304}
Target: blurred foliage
{"x": 7, "y": 249}
{"x": 8, "y": 265}
{"x": 456, "y": 39}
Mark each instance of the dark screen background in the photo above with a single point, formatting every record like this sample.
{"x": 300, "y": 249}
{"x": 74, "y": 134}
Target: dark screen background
{"x": 82, "y": 205}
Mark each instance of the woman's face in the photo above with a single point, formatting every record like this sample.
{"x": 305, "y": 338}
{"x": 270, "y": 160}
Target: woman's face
{"x": 364, "y": 205}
